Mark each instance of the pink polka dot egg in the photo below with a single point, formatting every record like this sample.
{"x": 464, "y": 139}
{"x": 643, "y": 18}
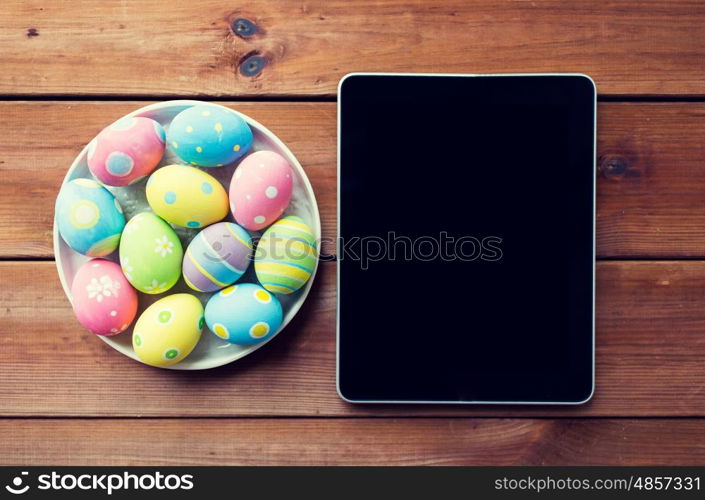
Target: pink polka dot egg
{"x": 126, "y": 151}
{"x": 102, "y": 298}
{"x": 260, "y": 189}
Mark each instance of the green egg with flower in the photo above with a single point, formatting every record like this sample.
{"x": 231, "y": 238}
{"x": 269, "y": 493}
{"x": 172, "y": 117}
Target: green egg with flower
{"x": 150, "y": 253}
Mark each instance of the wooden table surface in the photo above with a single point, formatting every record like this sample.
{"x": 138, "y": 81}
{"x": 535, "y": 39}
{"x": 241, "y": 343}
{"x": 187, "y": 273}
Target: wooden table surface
{"x": 69, "y": 68}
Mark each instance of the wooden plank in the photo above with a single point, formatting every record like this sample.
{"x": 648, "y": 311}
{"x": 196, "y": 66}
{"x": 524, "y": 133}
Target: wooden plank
{"x": 651, "y": 180}
{"x": 353, "y": 442}
{"x": 650, "y": 186}
{"x": 650, "y": 349}
{"x": 187, "y": 48}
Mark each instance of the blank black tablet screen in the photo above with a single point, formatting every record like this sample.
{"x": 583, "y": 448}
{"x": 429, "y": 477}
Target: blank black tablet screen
{"x": 466, "y": 238}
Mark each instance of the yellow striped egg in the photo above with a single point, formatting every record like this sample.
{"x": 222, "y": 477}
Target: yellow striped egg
{"x": 286, "y": 255}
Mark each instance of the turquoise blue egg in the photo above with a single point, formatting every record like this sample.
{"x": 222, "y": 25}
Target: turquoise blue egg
{"x": 89, "y": 218}
{"x": 244, "y": 314}
{"x": 209, "y": 136}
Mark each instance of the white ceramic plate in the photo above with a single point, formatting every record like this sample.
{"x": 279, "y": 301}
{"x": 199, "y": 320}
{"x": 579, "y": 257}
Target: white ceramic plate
{"x": 210, "y": 351}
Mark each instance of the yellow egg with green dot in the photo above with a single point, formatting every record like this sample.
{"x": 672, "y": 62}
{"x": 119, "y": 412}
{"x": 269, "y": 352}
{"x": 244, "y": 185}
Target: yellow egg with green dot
{"x": 168, "y": 330}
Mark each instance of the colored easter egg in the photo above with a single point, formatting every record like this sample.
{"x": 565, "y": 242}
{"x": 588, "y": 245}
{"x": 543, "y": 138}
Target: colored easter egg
{"x": 168, "y": 330}
{"x": 209, "y": 136}
{"x": 89, "y": 217}
{"x": 244, "y": 314}
{"x": 217, "y": 257}
{"x": 126, "y": 151}
{"x": 186, "y": 196}
{"x": 103, "y": 300}
{"x": 286, "y": 255}
{"x": 150, "y": 253}
{"x": 260, "y": 189}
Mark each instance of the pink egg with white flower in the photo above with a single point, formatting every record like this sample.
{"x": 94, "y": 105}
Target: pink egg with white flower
{"x": 126, "y": 151}
{"x": 104, "y": 301}
{"x": 260, "y": 189}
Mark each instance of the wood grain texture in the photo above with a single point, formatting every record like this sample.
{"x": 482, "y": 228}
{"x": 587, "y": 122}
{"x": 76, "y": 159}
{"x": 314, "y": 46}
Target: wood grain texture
{"x": 352, "y": 442}
{"x": 92, "y": 47}
{"x": 651, "y": 179}
{"x": 650, "y": 352}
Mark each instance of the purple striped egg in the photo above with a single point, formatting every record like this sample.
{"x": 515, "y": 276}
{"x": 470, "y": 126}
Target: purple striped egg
{"x": 217, "y": 257}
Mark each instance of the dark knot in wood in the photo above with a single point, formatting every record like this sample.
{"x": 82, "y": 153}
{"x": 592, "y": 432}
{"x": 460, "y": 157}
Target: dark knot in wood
{"x": 613, "y": 166}
{"x": 252, "y": 65}
{"x": 244, "y": 28}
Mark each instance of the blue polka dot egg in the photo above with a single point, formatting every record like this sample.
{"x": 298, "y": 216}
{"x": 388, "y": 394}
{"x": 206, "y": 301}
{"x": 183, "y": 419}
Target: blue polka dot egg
{"x": 244, "y": 314}
{"x": 209, "y": 136}
{"x": 89, "y": 217}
